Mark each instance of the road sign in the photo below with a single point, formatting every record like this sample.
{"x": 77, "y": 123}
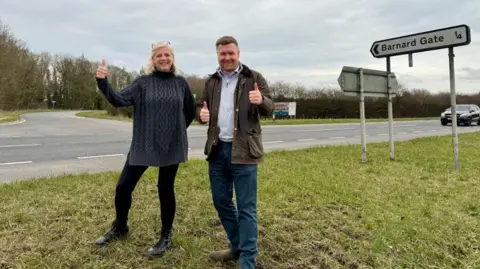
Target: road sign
{"x": 449, "y": 37}
{"x": 431, "y": 40}
{"x": 363, "y": 82}
{"x": 376, "y": 82}
{"x": 352, "y": 80}
{"x": 285, "y": 108}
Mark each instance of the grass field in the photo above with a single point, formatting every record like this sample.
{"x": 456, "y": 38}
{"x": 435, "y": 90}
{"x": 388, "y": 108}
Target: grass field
{"x": 318, "y": 208}
{"x": 11, "y": 116}
{"x": 101, "y": 114}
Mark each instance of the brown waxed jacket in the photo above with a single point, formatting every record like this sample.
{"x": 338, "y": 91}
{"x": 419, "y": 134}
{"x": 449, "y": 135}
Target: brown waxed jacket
{"x": 247, "y": 146}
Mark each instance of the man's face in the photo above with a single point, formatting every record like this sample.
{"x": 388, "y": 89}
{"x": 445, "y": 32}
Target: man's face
{"x": 228, "y": 57}
{"x": 163, "y": 59}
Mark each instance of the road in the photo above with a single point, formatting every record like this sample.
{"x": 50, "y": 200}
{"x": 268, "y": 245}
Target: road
{"x": 55, "y": 143}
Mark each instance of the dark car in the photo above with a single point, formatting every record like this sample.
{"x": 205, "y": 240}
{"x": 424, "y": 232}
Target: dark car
{"x": 466, "y": 114}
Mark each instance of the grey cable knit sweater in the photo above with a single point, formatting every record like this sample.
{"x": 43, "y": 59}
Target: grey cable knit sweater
{"x": 163, "y": 108}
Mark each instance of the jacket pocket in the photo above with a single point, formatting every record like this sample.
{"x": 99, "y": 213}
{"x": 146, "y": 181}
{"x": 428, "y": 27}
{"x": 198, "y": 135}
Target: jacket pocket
{"x": 206, "y": 150}
{"x": 208, "y": 143}
{"x": 255, "y": 145}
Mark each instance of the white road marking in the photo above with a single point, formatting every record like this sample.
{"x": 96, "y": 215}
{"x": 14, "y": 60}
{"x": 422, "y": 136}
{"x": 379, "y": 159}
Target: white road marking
{"x": 100, "y": 156}
{"x": 319, "y": 130}
{"x": 432, "y": 130}
{"x": 24, "y": 145}
{"x": 272, "y": 142}
{"x": 406, "y": 125}
{"x": 382, "y": 134}
{"x": 13, "y": 163}
{"x": 402, "y": 133}
{"x": 418, "y": 132}
{"x": 306, "y": 139}
{"x": 337, "y": 137}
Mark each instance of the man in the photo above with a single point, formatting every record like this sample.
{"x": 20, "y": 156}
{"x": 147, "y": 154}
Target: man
{"x": 232, "y": 102}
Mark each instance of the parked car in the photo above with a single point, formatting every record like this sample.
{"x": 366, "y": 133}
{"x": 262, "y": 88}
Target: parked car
{"x": 466, "y": 114}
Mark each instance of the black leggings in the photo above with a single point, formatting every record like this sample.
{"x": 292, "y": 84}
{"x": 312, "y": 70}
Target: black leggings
{"x": 128, "y": 181}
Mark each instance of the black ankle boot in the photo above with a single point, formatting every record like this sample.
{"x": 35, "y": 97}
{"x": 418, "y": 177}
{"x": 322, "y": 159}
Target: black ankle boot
{"x": 163, "y": 244}
{"x": 116, "y": 232}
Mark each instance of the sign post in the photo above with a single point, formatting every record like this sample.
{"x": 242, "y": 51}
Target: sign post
{"x": 453, "y": 102}
{"x": 449, "y": 37}
{"x": 362, "y": 117}
{"x": 390, "y": 114}
{"x": 364, "y": 82}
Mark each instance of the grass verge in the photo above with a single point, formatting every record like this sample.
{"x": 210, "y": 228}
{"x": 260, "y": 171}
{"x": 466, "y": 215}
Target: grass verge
{"x": 11, "y": 116}
{"x": 318, "y": 208}
{"x": 101, "y": 114}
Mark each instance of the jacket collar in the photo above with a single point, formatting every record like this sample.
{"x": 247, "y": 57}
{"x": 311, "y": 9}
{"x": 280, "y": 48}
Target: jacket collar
{"x": 244, "y": 71}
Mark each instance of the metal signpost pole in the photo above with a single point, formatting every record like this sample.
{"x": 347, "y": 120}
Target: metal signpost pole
{"x": 362, "y": 118}
{"x": 454, "y": 109}
{"x": 390, "y": 112}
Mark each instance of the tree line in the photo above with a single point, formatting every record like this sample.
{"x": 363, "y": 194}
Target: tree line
{"x": 40, "y": 80}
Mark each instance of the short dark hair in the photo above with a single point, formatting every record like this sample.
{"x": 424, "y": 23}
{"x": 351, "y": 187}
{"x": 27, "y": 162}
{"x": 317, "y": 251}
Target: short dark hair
{"x": 225, "y": 40}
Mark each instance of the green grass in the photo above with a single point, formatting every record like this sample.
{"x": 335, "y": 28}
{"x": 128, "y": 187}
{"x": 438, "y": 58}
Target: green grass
{"x": 318, "y": 208}
{"x": 11, "y": 116}
{"x": 102, "y": 114}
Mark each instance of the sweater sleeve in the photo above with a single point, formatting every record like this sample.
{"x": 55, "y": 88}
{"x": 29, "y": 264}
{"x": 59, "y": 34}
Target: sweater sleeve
{"x": 124, "y": 97}
{"x": 188, "y": 104}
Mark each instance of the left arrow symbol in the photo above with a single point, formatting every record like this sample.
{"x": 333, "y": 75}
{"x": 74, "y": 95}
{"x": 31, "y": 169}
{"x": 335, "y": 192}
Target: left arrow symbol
{"x": 375, "y": 49}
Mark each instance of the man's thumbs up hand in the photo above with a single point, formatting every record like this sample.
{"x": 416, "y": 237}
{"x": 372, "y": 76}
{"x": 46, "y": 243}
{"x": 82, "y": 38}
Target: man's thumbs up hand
{"x": 102, "y": 70}
{"x": 205, "y": 113}
{"x": 255, "y": 96}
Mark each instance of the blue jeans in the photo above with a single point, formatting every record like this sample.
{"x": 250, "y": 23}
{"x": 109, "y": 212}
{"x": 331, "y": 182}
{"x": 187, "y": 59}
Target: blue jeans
{"x": 241, "y": 225}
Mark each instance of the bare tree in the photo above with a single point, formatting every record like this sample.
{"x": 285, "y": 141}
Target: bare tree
{"x": 31, "y": 80}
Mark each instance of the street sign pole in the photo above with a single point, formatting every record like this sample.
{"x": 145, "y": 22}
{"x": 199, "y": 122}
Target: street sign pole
{"x": 453, "y": 102}
{"x": 362, "y": 118}
{"x": 390, "y": 113}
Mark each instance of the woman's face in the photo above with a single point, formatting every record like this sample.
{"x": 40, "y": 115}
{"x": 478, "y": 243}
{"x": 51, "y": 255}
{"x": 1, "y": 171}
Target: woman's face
{"x": 163, "y": 59}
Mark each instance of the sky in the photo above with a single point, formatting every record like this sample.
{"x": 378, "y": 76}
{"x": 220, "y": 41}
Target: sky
{"x": 303, "y": 42}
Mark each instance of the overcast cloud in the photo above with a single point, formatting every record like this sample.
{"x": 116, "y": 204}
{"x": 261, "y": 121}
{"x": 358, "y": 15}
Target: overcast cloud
{"x": 297, "y": 41}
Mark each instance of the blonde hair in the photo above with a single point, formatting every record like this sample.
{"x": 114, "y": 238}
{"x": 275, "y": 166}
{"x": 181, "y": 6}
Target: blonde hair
{"x": 151, "y": 65}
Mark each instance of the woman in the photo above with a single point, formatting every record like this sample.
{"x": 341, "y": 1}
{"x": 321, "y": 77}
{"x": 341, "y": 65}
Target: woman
{"x": 163, "y": 108}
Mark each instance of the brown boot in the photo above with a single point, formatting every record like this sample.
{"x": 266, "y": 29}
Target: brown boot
{"x": 223, "y": 255}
